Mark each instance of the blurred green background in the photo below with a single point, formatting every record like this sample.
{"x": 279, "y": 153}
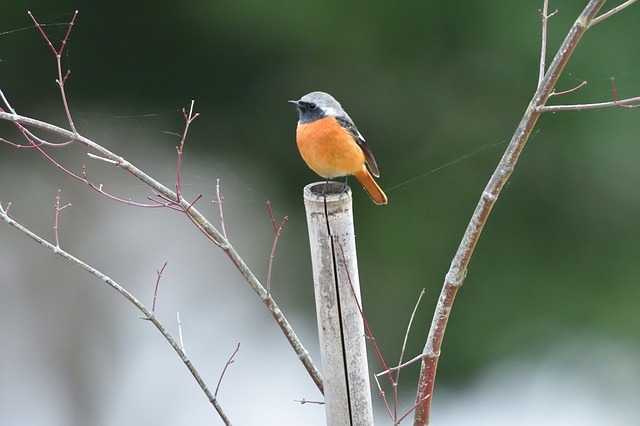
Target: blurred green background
{"x": 437, "y": 88}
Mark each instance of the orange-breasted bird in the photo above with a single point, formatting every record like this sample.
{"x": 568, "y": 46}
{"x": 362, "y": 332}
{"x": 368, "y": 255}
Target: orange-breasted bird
{"x": 332, "y": 146}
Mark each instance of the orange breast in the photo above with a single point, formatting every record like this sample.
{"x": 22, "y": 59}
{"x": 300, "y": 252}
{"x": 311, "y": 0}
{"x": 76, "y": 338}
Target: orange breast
{"x": 328, "y": 149}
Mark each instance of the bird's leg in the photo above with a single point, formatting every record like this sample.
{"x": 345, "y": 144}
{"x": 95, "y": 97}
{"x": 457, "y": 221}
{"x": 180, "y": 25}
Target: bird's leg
{"x": 324, "y": 190}
{"x": 344, "y": 188}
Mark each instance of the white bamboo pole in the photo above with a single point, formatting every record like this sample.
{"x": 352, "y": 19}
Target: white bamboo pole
{"x": 337, "y": 293}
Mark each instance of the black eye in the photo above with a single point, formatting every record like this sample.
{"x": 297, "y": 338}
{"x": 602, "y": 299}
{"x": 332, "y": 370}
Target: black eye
{"x": 311, "y": 106}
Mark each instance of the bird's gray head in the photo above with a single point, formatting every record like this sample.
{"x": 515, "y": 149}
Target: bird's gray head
{"x": 316, "y": 105}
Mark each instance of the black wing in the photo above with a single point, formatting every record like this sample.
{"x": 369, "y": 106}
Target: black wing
{"x": 357, "y": 136}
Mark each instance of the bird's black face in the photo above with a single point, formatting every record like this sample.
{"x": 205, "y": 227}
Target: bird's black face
{"x": 308, "y": 111}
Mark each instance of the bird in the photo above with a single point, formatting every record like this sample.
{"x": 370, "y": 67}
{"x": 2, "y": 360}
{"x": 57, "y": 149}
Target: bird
{"x": 331, "y": 145}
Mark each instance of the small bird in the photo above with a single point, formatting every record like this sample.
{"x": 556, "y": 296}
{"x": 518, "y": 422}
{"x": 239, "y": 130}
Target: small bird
{"x": 332, "y": 146}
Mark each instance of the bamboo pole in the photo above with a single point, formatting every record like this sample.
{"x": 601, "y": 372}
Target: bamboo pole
{"x": 338, "y": 302}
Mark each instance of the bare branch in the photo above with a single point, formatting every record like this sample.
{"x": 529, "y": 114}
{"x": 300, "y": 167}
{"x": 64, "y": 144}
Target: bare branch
{"x": 173, "y": 200}
{"x": 458, "y": 269}
{"x": 113, "y": 284}
{"x": 194, "y": 216}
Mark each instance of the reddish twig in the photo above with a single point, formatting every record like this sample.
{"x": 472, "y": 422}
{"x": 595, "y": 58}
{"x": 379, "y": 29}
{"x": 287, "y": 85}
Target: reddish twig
{"x": 37, "y": 143}
{"x": 98, "y": 188}
{"x": 369, "y": 336}
{"x": 5, "y": 211}
{"x": 224, "y": 370}
{"x": 193, "y": 203}
{"x": 34, "y": 141}
{"x": 29, "y": 136}
{"x": 58, "y": 209}
{"x": 163, "y": 201}
{"x": 275, "y": 244}
{"x": 393, "y": 414}
{"x": 180, "y": 148}
{"x": 155, "y": 291}
{"x": 218, "y": 201}
{"x": 58, "y": 54}
{"x": 26, "y": 132}
{"x": 614, "y": 93}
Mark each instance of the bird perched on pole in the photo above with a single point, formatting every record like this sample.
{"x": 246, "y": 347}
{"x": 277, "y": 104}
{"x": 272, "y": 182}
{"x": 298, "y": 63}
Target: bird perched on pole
{"x": 332, "y": 146}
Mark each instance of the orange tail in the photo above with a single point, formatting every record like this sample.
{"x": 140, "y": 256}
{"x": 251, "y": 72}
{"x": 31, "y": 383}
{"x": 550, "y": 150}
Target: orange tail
{"x": 370, "y": 185}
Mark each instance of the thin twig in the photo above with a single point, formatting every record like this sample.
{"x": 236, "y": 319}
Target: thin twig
{"x": 34, "y": 141}
{"x": 6, "y": 102}
{"x": 180, "y": 332}
{"x": 180, "y": 148}
{"x": 98, "y": 188}
{"x": 612, "y": 12}
{"x": 155, "y": 291}
{"x": 369, "y": 334}
{"x": 58, "y": 209}
{"x": 402, "y": 351}
{"x": 224, "y": 370}
{"x": 272, "y": 256}
{"x": 305, "y": 401}
{"x": 383, "y": 396}
{"x": 58, "y": 54}
{"x": 106, "y": 160}
{"x": 624, "y": 103}
{"x": 406, "y": 334}
{"x": 614, "y": 92}
{"x": 218, "y": 201}
{"x": 544, "y": 13}
{"x": 564, "y": 92}
{"x": 401, "y": 366}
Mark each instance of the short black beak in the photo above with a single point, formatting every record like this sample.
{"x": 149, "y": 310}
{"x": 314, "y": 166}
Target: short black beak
{"x": 296, "y": 103}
